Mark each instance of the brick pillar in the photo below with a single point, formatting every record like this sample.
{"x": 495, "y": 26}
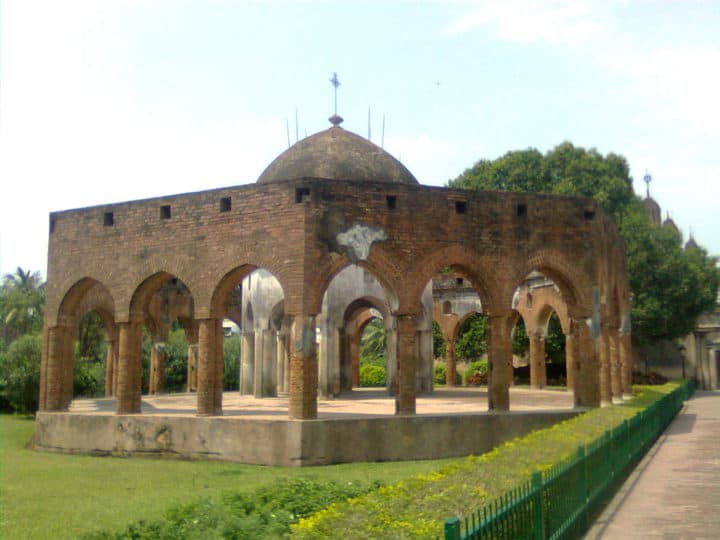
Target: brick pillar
{"x": 406, "y": 364}
{"x": 604, "y": 358}
{"x": 247, "y": 362}
{"x": 615, "y": 370}
{"x": 346, "y": 364}
{"x": 207, "y": 370}
{"x": 355, "y": 358}
{"x": 219, "y": 366}
{"x": 587, "y": 370}
{"x": 500, "y": 363}
{"x": 55, "y": 372}
{"x": 625, "y": 358}
{"x": 570, "y": 361}
{"x": 538, "y": 374}
{"x": 303, "y": 369}
{"x": 110, "y": 367}
{"x": 129, "y": 390}
{"x": 450, "y": 362}
{"x": 68, "y": 363}
{"x": 157, "y": 369}
{"x": 42, "y": 398}
{"x": 116, "y": 364}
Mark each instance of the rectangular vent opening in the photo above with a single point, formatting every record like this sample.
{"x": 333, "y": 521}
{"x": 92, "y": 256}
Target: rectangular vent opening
{"x": 391, "y": 201}
{"x": 108, "y": 219}
{"x": 589, "y": 215}
{"x": 460, "y": 207}
{"x": 521, "y": 210}
{"x": 165, "y": 212}
{"x": 225, "y": 204}
{"x": 301, "y": 194}
{"x": 459, "y": 281}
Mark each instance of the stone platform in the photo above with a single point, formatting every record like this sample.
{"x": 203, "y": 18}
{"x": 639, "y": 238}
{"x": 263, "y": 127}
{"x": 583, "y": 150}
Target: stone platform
{"x": 358, "y": 426}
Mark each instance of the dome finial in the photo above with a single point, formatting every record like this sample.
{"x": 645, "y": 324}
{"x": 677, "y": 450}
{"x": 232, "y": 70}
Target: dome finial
{"x": 335, "y": 119}
{"x": 647, "y": 179}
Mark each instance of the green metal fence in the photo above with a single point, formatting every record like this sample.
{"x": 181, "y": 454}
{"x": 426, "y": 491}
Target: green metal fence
{"x": 559, "y": 502}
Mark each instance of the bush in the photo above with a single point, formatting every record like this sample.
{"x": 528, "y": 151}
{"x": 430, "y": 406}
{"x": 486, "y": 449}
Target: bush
{"x": 20, "y": 374}
{"x": 440, "y": 374}
{"x": 266, "y": 512}
{"x": 88, "y": 378}
{"x": 479, "y": 367}
{"x": 372, "y": 375}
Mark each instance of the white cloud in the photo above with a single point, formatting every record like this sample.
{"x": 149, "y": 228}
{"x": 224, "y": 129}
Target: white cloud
{"x": 556, "y": 22}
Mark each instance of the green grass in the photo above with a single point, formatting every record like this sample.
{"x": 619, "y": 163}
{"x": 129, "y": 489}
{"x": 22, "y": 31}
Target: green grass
{"x": 46, "y": 495}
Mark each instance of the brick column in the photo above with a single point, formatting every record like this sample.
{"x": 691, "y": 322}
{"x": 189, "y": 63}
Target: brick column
{"x": 500, "y": 363}
{"x": 43, "y": 370}
{"x": 407, "y": 353}
{"x": 303, "y": 369}
{"x": 116, "y": 364}
{"x": 207, "y": 369}
{"x": 625, "y": 358}
{"x": 346, "y": 364}
{"x": 55, "y": 372}
{"x": 68, "y": 363}
{"x": 157, "y": 369}
{"x": 450, "y": 362}
{"x": 129, "y": 368}
{"x": 538, "y": 374}
{"x": 219, "y": 366}
{"x": 587, "y": 369}
{"x": 355, "y": 358}
{"x": 615, "y": 370}
{"x": 570, "y": 361}
{"x": 604, "y": 358}
{"x": 110, "y": 367}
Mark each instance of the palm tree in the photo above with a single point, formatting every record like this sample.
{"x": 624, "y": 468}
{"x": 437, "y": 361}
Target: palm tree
{"x": 22, "y": 298}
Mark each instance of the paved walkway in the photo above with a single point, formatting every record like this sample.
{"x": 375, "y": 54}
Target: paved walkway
{"x": 675, "y": 490}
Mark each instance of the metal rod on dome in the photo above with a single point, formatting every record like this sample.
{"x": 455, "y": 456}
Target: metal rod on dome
{"x": 335, "y": 82}
{"x": 382, "y": 140}
{"x": 369, "y": 132}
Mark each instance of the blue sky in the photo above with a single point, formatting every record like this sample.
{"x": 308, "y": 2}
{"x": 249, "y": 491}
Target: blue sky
{"x": 119, "y": 100}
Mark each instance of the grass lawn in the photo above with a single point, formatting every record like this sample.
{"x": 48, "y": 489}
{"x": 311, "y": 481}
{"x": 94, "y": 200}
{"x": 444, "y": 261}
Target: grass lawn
{"x": 44, "y": 495}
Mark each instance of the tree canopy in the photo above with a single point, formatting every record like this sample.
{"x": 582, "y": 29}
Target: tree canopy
{"x": 671, "y": 285}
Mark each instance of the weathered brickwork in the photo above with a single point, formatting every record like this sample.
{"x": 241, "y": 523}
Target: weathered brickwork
{"x": 116, "y": 259}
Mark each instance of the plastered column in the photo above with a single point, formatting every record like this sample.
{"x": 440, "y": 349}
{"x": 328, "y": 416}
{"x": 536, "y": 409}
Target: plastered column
{"x": 425, "y": 361}
{"x": 406, "y": 364}
{"x": 55, "y": 370}
{"x": 303, "y": 369}
{"x": 451, "y": 362}
{"x": 625, "y": 357}
{"x": 355, "y": 358}
{"x": 129, "y": 368}
{"x": 247, "y": 362}
{"x": 207, "y": 368}
{"x": 392, "y": 343}
{"x": 346, "y": 365}
{"x": 269, "y": 363}
{"x": 604, "y": 358}
{"x": 615, "y": 369}
{"x": 192, "y": 356}
{"x": 500, "y": 363}
{"x": 538, "y": 375}
{"x": 587, "y": 370}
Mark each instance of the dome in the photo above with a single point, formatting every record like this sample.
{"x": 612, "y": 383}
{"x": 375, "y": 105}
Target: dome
{"x": 336, "y": 154}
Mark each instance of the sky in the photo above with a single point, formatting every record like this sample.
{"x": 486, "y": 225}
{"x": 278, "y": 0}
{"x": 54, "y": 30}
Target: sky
{"x": 104, "y": 102}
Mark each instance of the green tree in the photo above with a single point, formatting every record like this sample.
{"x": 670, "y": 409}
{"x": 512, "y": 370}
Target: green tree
{"x": 438, "y": 341}
{"x": 22, "y": 299}
{"x": 671, "y": 286}
{"x": 20, "y": 374}
{"x": 373, "y": 343}
{"x": 555, "y": 341}
{"x": 520, "y": 340}
{"x": 472, "y": 338}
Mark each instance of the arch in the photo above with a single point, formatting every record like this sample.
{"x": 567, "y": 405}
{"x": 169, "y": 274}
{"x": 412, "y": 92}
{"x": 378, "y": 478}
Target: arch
{"x": 379, "y": 264}
{"x": 144, "y": 292}
{"x": 227, "y": 283}
{"x": 575, "y": 286}
{"x": 546, "y": 310}
{"x": 479, "y": 270}
{"x": 87, "y": 294}
{"x": 365, "y": 302}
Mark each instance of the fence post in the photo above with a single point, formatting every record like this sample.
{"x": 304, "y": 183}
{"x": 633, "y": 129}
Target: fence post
{"x": 582, "y": 494}
{"x": 537, "y": 487}
{"x": 452, "y": 529}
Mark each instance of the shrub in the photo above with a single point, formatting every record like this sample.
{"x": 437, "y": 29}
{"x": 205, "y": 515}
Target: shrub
{"x": 479, "y": 367}
{"x": 20, "y": 374}
{"x": 88, "y": 378}
{"x": 266, "y": 512}
{"x": 440, "y": 374}
{"x": 372, "y": 375}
